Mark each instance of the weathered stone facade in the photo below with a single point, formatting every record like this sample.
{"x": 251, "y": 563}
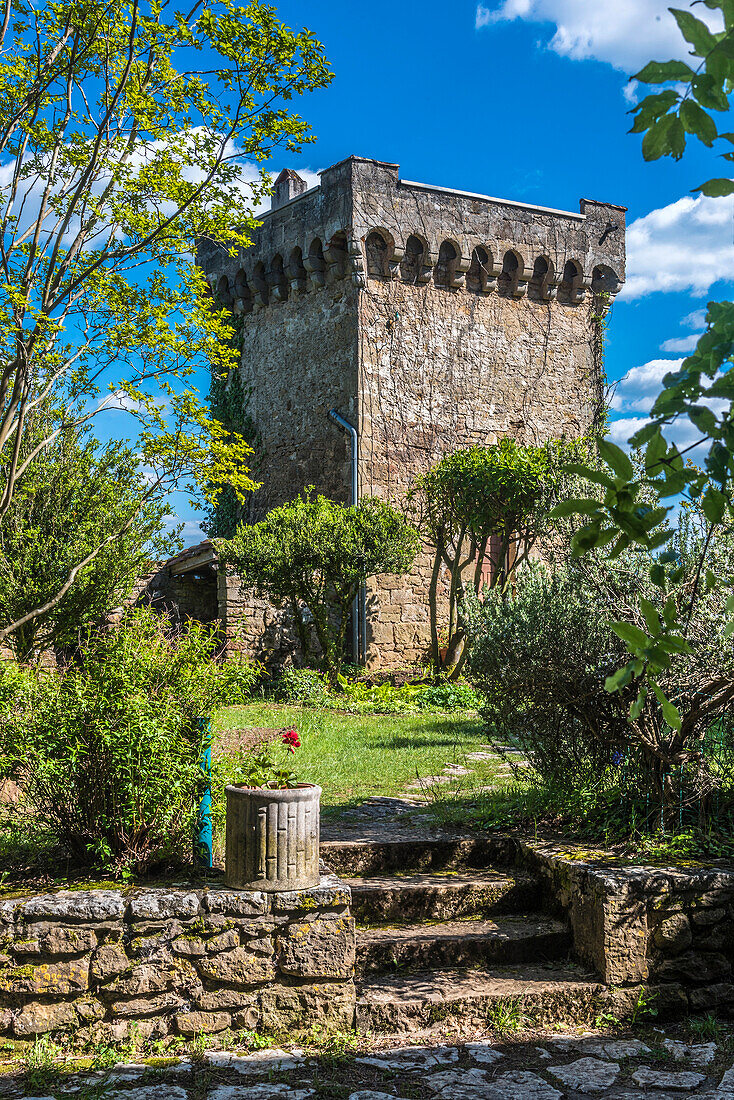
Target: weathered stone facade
{"x": 175, "y": 960}
{"x": 430, "y": 319}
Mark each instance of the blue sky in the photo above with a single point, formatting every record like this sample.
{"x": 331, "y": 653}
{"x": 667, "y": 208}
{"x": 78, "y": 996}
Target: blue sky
{"x": 528, "y": 100}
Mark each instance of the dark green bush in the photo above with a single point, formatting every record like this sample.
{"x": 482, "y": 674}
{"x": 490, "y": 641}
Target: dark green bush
{"x": 304, "y": 686}
{"x": 540, "y": 657}
{"x": 106, "y": 751}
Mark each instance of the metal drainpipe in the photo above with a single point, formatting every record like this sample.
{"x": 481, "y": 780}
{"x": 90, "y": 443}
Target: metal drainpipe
{"x": 352, "y": 431}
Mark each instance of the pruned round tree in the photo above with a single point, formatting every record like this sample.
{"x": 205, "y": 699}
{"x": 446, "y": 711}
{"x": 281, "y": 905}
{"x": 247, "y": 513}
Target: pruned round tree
{"x": 313, "y": 553}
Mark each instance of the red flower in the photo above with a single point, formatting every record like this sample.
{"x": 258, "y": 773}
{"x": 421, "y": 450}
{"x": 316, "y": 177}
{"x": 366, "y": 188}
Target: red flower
{"x": 290, "y": 739}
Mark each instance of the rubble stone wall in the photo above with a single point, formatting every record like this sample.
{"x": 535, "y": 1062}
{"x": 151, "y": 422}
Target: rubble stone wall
{"x": 187, "y": 962}
{"x": 430, "y": 319}
{"x": 666, "y": 932}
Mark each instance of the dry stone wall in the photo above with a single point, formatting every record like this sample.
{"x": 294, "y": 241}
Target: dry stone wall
{"x": 667, "y": 933}
{"x": 188, "y": 962}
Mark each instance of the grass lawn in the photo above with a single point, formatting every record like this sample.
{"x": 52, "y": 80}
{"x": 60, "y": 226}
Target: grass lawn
{"x": 352, "y": 756}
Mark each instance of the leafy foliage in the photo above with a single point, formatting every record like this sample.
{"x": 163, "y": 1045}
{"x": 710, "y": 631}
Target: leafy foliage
{"x": 314, "y": 554}
{"x": 107, "y": 750}
{"x": 481, "y": 510}
{"x": 311, "y": 688}
{"x": 260, "y": 769}
{"x": 539, "y": 657}
{"x": 634, "y": 509}
{"x": 73, "y": 495}
{"x": 119, "y": 151}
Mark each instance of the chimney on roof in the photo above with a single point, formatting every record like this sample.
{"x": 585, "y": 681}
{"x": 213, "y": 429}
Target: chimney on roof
{"x": 287, "y": 186}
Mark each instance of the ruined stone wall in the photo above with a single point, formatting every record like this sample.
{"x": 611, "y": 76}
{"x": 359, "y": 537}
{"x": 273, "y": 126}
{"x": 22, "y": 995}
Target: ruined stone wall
{"x": 187, "y": 962}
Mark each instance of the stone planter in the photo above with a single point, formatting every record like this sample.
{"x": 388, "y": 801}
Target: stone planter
{"x": 272, "y": 838}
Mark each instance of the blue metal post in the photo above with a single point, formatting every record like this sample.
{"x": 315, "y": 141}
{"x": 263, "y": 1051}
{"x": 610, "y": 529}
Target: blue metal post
{"x": 203, "y": 838}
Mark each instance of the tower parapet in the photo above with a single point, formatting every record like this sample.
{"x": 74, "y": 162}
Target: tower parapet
{"x": 362, "y": 221}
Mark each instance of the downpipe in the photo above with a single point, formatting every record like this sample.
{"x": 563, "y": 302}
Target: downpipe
{"x": 361, "y": 597}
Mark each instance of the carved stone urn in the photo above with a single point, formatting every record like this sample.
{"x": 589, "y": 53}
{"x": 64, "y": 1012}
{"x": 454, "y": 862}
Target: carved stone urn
{"x": 272, "y": 838}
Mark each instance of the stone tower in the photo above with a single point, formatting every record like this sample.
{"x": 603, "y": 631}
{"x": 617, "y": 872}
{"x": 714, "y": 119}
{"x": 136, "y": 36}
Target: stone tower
{"x": 428, "y": 319}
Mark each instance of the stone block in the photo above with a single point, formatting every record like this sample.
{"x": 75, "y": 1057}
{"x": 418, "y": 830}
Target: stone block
{"x": 238, "y": 967}
{"x": 37, "y": 1019}
{"x": 146, "y": 1006}
{"x": 54, "y": 939}
{"x": 703, "y": 918}
{"x": 235, "y": 903}
{"x": 214, "y": 1000}
{"x": 142, "y": 978}
{"x": 165, "y": 904}
{"x": 89, "y": 1009}
{"x": 75, "y": 905}
{"x": 327, "y": 1004}
{"x": 673, "y": 935}
{"x": 695, "y": 967}
{"x": 108, "y": 962}
{"x": 320, "y": 948}
{"x": 69, "y": 976}
{"x": 197, "y": 1023}
{"x": 711, "y": 996}
{"x": 331, "y": 893}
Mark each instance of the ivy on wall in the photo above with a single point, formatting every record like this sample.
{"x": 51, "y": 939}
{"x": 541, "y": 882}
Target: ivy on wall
{"x": 228, "y": 400}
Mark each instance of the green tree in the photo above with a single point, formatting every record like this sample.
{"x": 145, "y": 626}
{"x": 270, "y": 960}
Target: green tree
{"x": 73, "y": 494}
{"x": 635, "y": 504}
{"x": 314, "y": 554}
{"x": 128, "y": 132}
{"x": 476, "y": 508}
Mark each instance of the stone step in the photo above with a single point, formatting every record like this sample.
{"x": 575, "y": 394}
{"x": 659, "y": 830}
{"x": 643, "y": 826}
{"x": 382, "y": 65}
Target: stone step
{"x": 442, "y": 896}
{"x": 544, "y": 995}
{"x": 372, "y": 856}
{"x": 461, "y": 943}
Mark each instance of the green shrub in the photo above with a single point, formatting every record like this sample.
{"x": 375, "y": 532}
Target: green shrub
{"x": 540, "y": 657}
{"x": 106, "y": 751}
{"x": 304, "y": 686}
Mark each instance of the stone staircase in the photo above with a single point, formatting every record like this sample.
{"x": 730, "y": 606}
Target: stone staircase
{"x": 445, "y": 932}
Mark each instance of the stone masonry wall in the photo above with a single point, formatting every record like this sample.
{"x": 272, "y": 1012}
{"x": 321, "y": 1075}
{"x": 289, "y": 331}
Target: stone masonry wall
{"x": 668, "y": 932}
{"x": 176, "y": 960}
{"x": 430, "y": 319}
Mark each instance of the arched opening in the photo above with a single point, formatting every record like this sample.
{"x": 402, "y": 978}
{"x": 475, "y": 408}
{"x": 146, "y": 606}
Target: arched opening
{"x": 315, "y": 263}
{"x": 604, "y": 280}
{"x": 507, "y": 281}
{"x": 570, "y": 289}
{"x": 277, "y": 280}
{"x": 539, "y": 285}
{"x": 242, "y": 292}
{"x": 296, "y": 271}
{"x": 376, "y": 254}
{"x": 338, "y": 253}
{"x": 478, "y": 273}
{"x": 260, "y": 282}
{"x": 224, "y": 296}
{"x": 413, "y": 261}
{"x": 447, "y": 257}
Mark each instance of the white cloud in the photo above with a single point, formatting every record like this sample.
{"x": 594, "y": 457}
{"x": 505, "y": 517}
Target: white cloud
{"x": 638, "y": 389}
{"x": 681, "y": 432}
{"x": 629, "y": 92}
{"x": 624, "y": 33}
{"x": 697, "y": 319}
{"x": 681, "y": 343}
{"x": 684, "y": 246}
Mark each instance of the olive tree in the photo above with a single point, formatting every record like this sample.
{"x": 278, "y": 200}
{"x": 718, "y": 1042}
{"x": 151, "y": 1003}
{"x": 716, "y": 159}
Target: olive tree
{"x": 314, "y": 554}
{"x": 481, "y": 511}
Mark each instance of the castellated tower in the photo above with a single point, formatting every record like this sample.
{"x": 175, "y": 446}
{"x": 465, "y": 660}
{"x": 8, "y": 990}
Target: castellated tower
{"x": 428, "y": 319}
